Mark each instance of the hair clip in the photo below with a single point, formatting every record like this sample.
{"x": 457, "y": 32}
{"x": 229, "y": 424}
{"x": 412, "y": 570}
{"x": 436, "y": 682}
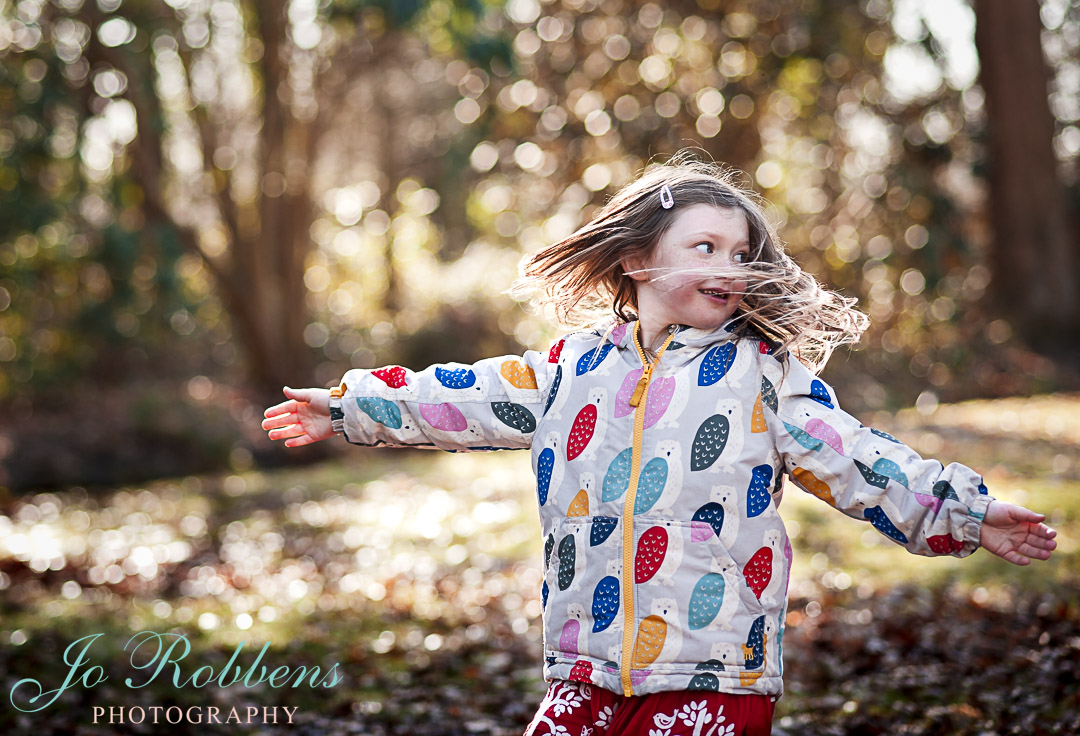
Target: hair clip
{"x": 666, "y": 200}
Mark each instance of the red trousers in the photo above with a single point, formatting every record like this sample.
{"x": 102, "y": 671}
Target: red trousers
{"x": 580, "y": 709}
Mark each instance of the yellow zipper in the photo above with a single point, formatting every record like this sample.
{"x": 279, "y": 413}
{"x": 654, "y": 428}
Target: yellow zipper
{"x": 637, "y": 400}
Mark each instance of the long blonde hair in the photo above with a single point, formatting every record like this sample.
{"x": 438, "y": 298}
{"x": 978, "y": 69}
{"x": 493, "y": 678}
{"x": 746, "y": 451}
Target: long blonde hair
{"x": 582, "y": 276}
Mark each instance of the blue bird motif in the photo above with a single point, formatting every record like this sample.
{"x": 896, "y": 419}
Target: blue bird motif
{"x": 754, "y": 649}
{"x": 567, "y": 561}
{"x": 820, "y": 394}
{"x": 890, "y": 469}
{"x": 514, "y": 416}
{"x": 651, "y": 484}
{"x": 617, "y": 477}
{"x": 455, "y": 377}
{"x": 804, "y": 439}
{"x": 704, "y": 681}
{"x": 555, "y": 383}
{"x": 768, "y": 394}
{"x": 876, "y": 516}
{"x": 875, "y": 479}
{"x": 605, "y": 603}
{"x": 544, "y": 590}
{"x": 885, "y": 435}
{"x": 709, "y": 441}
{"x": 716, "y": 364}
{"x": 944, "y": 490}
{"x": 382, "y": 411}
{"x": 710, "y": 515}
{"x": 544, "y": 465}
{"x": 590, "y": 360}
{"x": 757, "y": 495}
{"x": 705, "y": 600}
{"x": 602, "y": 527}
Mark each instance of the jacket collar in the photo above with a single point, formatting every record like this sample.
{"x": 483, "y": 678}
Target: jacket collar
{"x": 620, "y": 334}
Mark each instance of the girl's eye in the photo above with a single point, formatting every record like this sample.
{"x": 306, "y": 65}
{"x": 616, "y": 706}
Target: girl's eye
{"x": 705, "y": 247}
{"x": 741, "y": 257}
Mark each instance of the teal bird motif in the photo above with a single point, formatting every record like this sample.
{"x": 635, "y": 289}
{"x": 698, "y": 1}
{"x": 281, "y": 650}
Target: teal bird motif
{"x": 617, "y": 477}
{"x": 382, "y": 411}
{"x": 875, "y": 479}
{"x": 706, "y": 600}
{"x": 651, "y": 484}
{"x": 804, "y": 439}
{"x": 890, "y": 469}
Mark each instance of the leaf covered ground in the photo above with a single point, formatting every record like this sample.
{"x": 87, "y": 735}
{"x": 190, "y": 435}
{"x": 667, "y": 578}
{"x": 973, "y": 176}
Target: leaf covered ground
{"x": 418, "y": 575}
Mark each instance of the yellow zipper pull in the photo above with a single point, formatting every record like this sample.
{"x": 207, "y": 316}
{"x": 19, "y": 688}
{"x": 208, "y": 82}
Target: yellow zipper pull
{"x": 643, "y": 382}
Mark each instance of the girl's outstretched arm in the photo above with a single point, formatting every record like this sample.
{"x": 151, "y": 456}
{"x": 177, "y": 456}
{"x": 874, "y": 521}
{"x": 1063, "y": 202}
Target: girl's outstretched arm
{"x": 303, "y": 419}
{"x": 1016, "y": 534}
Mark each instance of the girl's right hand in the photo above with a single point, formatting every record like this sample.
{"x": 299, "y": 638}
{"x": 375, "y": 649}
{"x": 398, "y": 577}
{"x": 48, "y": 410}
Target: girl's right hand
{"x": 303, "y": 419}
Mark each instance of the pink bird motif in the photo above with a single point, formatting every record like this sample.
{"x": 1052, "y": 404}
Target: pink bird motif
{"x": 619, "y": 333}
{"x": 659, "y": 398}
{"x": 931, "y": 502}
{"x": 568, "y": 640}
{"x": 443, "y": 416}
{"x": 819, "y": 430}
{"x": 639, "y": 676}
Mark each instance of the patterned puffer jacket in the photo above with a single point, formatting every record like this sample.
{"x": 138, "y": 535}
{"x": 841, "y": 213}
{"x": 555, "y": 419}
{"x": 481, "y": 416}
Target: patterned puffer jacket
{"x": 666, "y": 563}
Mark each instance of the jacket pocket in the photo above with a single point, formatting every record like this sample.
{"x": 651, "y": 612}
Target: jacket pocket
{"x": 688, "y": 586}
{"x": 584, "y": 608}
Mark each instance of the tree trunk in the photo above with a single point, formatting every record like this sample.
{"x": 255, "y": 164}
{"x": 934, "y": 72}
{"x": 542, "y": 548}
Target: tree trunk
{"x": 1034, "y": 256}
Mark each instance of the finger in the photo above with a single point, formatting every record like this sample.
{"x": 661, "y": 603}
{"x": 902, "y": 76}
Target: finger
{"x": 1044, "y": 531}
{"x": 280, "y": 420}
{"x": 1016, "y": 558}
{"x": 293, "y": 430}
{"x": 300, "y": 394}
{"x": 1022, "y": 514}
{"x": 283, "y": 408}
{"x": 1039, "y": 553}
{"x": 1040, "y": 543}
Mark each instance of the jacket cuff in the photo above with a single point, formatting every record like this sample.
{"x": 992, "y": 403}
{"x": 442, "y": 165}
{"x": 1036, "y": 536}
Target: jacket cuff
{"x": 972, "y": 528}
{"x": 337, "y": 415}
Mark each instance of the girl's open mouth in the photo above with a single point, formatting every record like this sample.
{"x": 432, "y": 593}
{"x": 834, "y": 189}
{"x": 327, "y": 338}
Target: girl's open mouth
{"x": 715, "y": 294}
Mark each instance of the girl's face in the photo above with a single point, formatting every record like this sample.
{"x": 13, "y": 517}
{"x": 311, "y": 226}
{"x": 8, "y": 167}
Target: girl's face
{"x": 701, "y": 236}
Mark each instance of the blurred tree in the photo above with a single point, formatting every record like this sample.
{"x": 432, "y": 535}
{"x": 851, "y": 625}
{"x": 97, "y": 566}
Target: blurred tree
{"x": 209, "y": 120}
{"x": 1035, "y": 253}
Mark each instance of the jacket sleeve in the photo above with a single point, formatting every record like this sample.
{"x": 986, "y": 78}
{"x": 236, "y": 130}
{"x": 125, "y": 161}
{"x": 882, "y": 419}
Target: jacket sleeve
{"x": 489, "y": 405}
{"x": 868, "y": 474}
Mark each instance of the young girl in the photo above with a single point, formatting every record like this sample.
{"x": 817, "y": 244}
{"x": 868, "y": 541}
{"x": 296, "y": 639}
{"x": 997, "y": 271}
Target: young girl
{"x": 660, "y": 443}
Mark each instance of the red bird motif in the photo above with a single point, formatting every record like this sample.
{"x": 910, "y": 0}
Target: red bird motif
{"x": 651, "y": 549}
{"x": 392, "y": 375}
{"x": 556, "y": 349}
{"x": 758, "y": 571}
{"x": 582, "y": 431}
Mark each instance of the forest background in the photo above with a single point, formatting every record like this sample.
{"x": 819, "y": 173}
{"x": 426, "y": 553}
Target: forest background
{"x": 203, "y": 200}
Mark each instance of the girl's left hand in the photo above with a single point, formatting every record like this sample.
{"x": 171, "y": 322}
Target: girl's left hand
{"x": 1016, "y": 534}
